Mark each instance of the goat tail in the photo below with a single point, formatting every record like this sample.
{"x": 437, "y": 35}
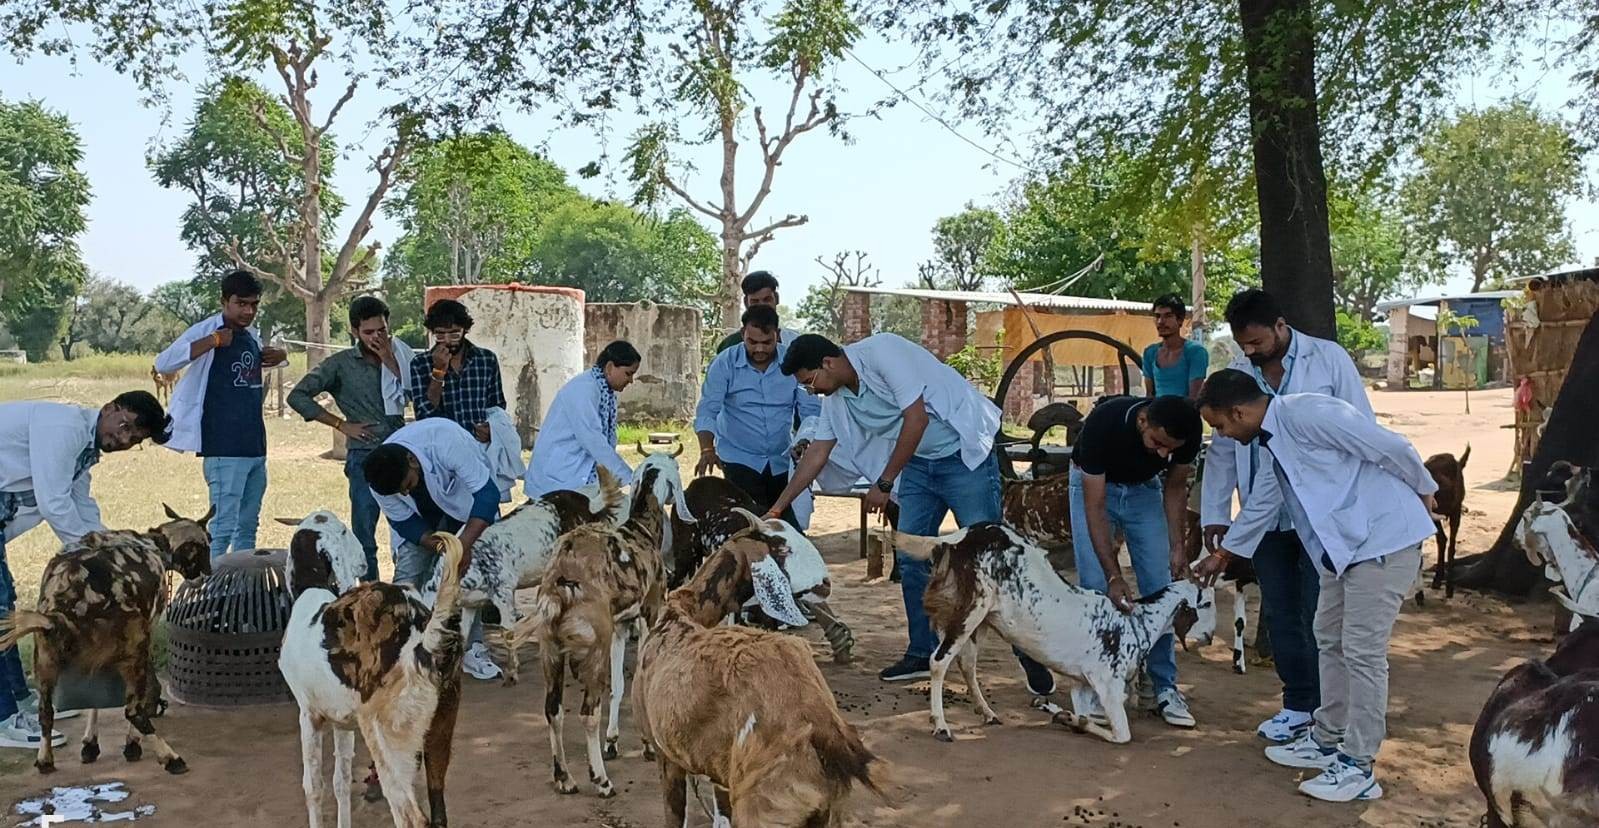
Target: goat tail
{"x": 1465, "y": 455}
{"x": 919, "y": 547}
{"x": 560, "y": 590}
{"x": 447, "y": 603}
{"x": 607, "y": 504}
{"x": 20, "y": 624}
{"x": 845, "y": 759}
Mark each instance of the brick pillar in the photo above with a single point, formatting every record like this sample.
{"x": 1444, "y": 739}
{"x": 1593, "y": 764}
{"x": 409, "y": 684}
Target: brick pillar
{"x": 943, "y": 327}
{"x": 857, "y": 317}
{"x": 1024, "y": 389}
{"x": 1113, "y": 379}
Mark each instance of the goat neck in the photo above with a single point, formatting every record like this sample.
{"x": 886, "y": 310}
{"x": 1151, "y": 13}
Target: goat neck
{"x": 727, "y": 580}
{"x": 1549, "y": 537}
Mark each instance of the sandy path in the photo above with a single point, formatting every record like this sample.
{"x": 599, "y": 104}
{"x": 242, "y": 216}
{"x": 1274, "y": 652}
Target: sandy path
{"x": 1446, "y": 658}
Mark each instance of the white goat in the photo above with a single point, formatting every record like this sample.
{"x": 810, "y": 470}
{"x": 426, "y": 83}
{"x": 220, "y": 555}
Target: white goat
{"x": 988, "y": 575}
{"x": 372, "y": 657}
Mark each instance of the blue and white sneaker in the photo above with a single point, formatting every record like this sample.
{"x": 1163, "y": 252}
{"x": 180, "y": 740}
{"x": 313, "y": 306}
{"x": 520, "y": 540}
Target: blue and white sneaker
{"x": 1343, "y": 781}
{"x": 1304, "y": 752}
{"x": 1284, "y": 727}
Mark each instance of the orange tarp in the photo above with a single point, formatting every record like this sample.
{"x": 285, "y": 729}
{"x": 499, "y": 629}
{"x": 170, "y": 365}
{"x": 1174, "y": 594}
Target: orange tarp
{"x": 1136, "y": 330}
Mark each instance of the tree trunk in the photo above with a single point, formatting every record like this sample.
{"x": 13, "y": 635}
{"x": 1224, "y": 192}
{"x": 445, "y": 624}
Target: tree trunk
{"x": 730, "y": 297}
{"x": 1568, "y": 436}
{"x": 316, "y": 329}
{"x": 1290, "y": 184}
{"x": 1197, "y": 266}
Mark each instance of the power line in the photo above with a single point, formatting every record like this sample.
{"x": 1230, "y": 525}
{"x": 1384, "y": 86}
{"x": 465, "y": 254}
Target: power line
{"x": 939, "y": 119}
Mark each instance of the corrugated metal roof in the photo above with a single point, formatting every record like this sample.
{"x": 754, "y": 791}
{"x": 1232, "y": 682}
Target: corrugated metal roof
{"x": 1041, "y": 300}
{"x": 1434, "y": 300}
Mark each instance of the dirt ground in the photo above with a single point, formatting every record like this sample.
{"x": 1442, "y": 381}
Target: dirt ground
{"x": 1446, "y": 657}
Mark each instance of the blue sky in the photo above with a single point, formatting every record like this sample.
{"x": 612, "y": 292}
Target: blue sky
{"x": 880, "y": 193}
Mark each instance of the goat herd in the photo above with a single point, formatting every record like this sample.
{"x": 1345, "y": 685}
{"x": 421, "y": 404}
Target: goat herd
{"x": 742, "y": 707}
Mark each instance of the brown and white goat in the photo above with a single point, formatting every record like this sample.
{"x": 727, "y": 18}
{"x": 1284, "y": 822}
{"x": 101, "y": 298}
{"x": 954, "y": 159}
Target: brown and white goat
{"x": 1550, "y": 537}
{"x": 98, "y": 603}
{"x": 374, "y": 658}
{"x": 1040, "y": 508}
{"x": 1450, "y": 475}
{"x": 1533, "y": 749}
{"x": 599, "y": 581}
{"x": 747, "y": 708}
{"x": 988, "y": 575}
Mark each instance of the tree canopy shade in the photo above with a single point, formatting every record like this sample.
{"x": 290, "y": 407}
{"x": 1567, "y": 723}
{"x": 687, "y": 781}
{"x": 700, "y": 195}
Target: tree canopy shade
{"x": 1191, "y": 89}
{"x": 960, "y": 249}
{"x": 1491, "y": 193}
{"x": 42, "y": 199}
{"x": 1371, "y": 259}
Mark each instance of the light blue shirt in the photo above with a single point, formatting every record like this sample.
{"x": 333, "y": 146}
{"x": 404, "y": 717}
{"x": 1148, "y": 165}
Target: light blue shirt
{"x": 751, "y": 411}
{"x": 877, "y": 416}
{"x": 571, "y": 442}
{"x": 1175, "y": 379}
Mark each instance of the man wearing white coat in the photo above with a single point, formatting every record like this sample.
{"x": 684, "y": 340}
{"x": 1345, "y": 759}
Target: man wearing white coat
{"x": 579, "y": 433}
{"x": 431, "y": 476}
{"x": 216, "y": 408}
{"x": 1362, "y": 504}
{"x": 1283, "y": 361}
{"x": 925, "y": 432}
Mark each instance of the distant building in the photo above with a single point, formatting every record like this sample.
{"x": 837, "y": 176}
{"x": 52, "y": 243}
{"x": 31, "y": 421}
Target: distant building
{"x": 1414, "y": 351}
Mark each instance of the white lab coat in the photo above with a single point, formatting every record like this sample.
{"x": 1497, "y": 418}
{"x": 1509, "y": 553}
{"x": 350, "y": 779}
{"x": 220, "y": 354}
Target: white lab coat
{"x": 572, "y": 441}
{"x": 1352, "y": 487}
{"x": 187, "y": 405}
{"x": 39, "y": 447}
{"x": 452, "y": 466}
{"x": 1319, "y": 367}
{"x": 504, "y": 452}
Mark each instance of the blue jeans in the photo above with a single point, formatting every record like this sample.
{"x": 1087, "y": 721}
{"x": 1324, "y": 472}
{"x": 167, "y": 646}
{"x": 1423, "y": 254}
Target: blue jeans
{"x": 363, "y": 508}
{"x": 929, "y": 489}
{"x": 237, "y": 485}
{"x": 13, "y": 681}
{"x": 1138, "y": 510}
{"x": 1289, "y": 589}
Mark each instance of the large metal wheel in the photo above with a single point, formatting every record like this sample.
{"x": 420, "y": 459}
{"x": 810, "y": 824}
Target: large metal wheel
{"x": 1123, "y": 353}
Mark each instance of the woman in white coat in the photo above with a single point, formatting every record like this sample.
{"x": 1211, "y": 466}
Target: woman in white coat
{"x": 579, "y": 434}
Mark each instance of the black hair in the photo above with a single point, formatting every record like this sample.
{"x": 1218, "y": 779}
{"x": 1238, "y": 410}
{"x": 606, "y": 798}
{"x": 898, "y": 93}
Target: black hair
{"x": 241, "y": 283}
{"x": 1173, "y": 303}
{"x": 620, "y": 353}
{"x": 364, "y": 308}
{"x": 807, "y": 352}
{"x": 447, "y": 313}
{"x": 1229, "y": 388}
{"x": 761, "y": 317}
{"x": 148, "y": 416}
{"x": 1178, "y": 417}
{"x": 1252, "y": 307}
{"x": 386, "y": 467}
{"x": 758, "y": 281}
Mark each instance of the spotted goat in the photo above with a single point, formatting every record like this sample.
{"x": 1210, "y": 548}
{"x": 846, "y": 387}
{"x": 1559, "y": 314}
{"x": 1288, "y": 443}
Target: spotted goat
{"x": 989, "y": 576}
{"x": 715, "y": 503}
{"x": 375, "y": 658}
{"x": 746, "y": 708}
{"x": 98, "y": 602}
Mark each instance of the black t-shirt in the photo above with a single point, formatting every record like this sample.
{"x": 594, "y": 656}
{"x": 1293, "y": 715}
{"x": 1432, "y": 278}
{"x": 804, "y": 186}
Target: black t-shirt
{"x": 732, "y": 339}
{"x": 1110, "y": 444}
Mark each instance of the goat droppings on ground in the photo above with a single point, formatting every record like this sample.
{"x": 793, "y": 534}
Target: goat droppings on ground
{"x": 81, "y": 804}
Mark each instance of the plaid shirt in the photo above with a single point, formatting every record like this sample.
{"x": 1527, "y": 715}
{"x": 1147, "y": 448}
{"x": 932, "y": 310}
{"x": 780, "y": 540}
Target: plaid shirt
{"x": 468, "y": 393}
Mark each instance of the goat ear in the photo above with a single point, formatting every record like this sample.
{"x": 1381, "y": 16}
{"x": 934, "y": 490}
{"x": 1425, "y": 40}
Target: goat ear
{"x": 747, "y": 515}
{"x": 171, "y": 515}
{"x": 206, "y": 518}
{"x": 774, "y": 593}
{"x": 289, "y": 521}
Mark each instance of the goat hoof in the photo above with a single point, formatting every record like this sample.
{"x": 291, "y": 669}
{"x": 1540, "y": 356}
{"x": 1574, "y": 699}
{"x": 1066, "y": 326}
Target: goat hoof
{"x": 607, "y": 791}
{"x": 608, "y": 752}
{"x": 649, "y": 753}
{"x": 992, "y": 721}
{"x": 1238, "y": 668}
{"x": 565, "y": 786}
{"x": 133, "y": 751}
{"x": 176, "y": 766}
{"x": 943, "y": 736}
{"x": 45, "y": 767}
{"x": 1421, "y": 599}
{"x": 508, "y": 681}
{"x": 373, "y": 792}
{"x": 91, "y": 752}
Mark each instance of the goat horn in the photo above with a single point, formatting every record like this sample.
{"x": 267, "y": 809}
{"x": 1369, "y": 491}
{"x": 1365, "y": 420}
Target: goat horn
{"x": 679, "y": 452}
{"x": 290, "y": 521}
{"x": 755, "y": 522}
{"x": 639, "y": 444}
{"x": 170, "y": 513}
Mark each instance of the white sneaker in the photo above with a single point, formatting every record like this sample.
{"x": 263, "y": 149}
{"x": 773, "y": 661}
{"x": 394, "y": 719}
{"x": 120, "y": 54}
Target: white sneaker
{"x": 22, "y": 731}
{"x": 31, "y": 704}
{"x": 478, "y": 664}
{"x": 1174, "y": 709}
{"x": 1343, "y": 781}
{"x": 1304, "y": 752}
{"x": 1284, "y": 727}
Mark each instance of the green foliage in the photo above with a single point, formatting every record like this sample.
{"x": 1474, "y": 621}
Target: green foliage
{"x": 112, "y": 317}
{"x": 616, "y": 254}
{"x": 1369, "y": 252}
{"x": 1358, "y": 336}
{"x": 1455, "y": 324}
{"x": 1491, "y": 192}
{"x": 961, "y": 247}
{"x": 42, "y": 199}
{"x": 983, "y": 367}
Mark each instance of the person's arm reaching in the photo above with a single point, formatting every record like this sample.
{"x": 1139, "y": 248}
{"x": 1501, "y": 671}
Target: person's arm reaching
{"x": 713, "y": 395}
{"x": 910, "y": 436}
{"x": 485, "y": 508}
{"x": 810, "y": 465}
{"x": 1175, "y": 499}
{"x": 1099, "y": 533}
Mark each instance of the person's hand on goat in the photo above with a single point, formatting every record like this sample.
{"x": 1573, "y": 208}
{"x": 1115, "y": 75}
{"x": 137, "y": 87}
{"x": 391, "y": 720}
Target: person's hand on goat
{"x": 1213, "y": 535}
{"x": 1211, "y": 568}
{"x": 708, "y": 462}
{"x": 1120, "y": 593}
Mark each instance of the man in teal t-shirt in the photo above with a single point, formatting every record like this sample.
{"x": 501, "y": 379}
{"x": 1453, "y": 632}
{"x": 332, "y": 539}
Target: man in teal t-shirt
{"x": 1175, "y": 366}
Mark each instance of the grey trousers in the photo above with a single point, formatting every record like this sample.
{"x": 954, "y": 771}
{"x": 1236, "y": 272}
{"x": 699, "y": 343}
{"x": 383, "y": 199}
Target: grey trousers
{"x": 1354, "y": 619}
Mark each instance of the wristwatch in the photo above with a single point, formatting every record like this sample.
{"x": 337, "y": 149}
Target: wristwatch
{"x": 885, "y": 485}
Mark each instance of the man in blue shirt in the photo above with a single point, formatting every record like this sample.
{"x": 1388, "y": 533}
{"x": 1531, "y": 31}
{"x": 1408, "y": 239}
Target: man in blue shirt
{"x": 1176, "y": 365}
{"x": 746, "y": 414}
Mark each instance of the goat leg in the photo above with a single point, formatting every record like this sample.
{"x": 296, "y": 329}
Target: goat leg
{"x": 506, "y": 604}
{"x": 1443, "y": 550}
{"x": 949, "y": 646}
{"x": 436, "y": 746}
{"x": 674, "y": 789}
{"x": 91, "y": 737}
{"x": 138, "y": 709}
{"x": 1240, "y": 623}
{"x": 312, "y": 774}
{"x": 1449, "y": 571}
{"x": 343, "y": 773}
{"x": 554, "y": 679}
{"x": 613, "y": 724}
{"x": 968, "y": 662}
{"x": 46, "y": 760}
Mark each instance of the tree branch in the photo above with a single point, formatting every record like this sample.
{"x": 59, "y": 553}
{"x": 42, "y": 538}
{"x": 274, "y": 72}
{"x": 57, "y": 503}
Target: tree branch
{"x": 386, "y": 163}
{"x": 683, "y": 194}
{"x": 327, "y": 123}
{"x": 772, "y": 151}
{"x": 787, "y": 221}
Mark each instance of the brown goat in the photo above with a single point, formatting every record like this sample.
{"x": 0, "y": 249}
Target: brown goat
{"x": 1450, "y": 474}
{"x": 1040, "y": 509}
{"x": 97, "y": 604}
{"x": 747, "y": 708}
{"x": 164, "y": 383}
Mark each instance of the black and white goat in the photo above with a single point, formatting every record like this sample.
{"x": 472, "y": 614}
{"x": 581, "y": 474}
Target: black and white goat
{"x": 988, "y": 575}
{"x": 374, "y": 657}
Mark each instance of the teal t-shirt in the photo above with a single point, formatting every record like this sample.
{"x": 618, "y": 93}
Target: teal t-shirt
{"x": 1173, "y": 379}
{"x": 878, "y": 416}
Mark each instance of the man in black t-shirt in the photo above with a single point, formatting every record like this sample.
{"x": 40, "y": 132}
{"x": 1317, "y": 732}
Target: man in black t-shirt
{"x": 1130, "y": 470}
{"x": 759, "y": 288}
